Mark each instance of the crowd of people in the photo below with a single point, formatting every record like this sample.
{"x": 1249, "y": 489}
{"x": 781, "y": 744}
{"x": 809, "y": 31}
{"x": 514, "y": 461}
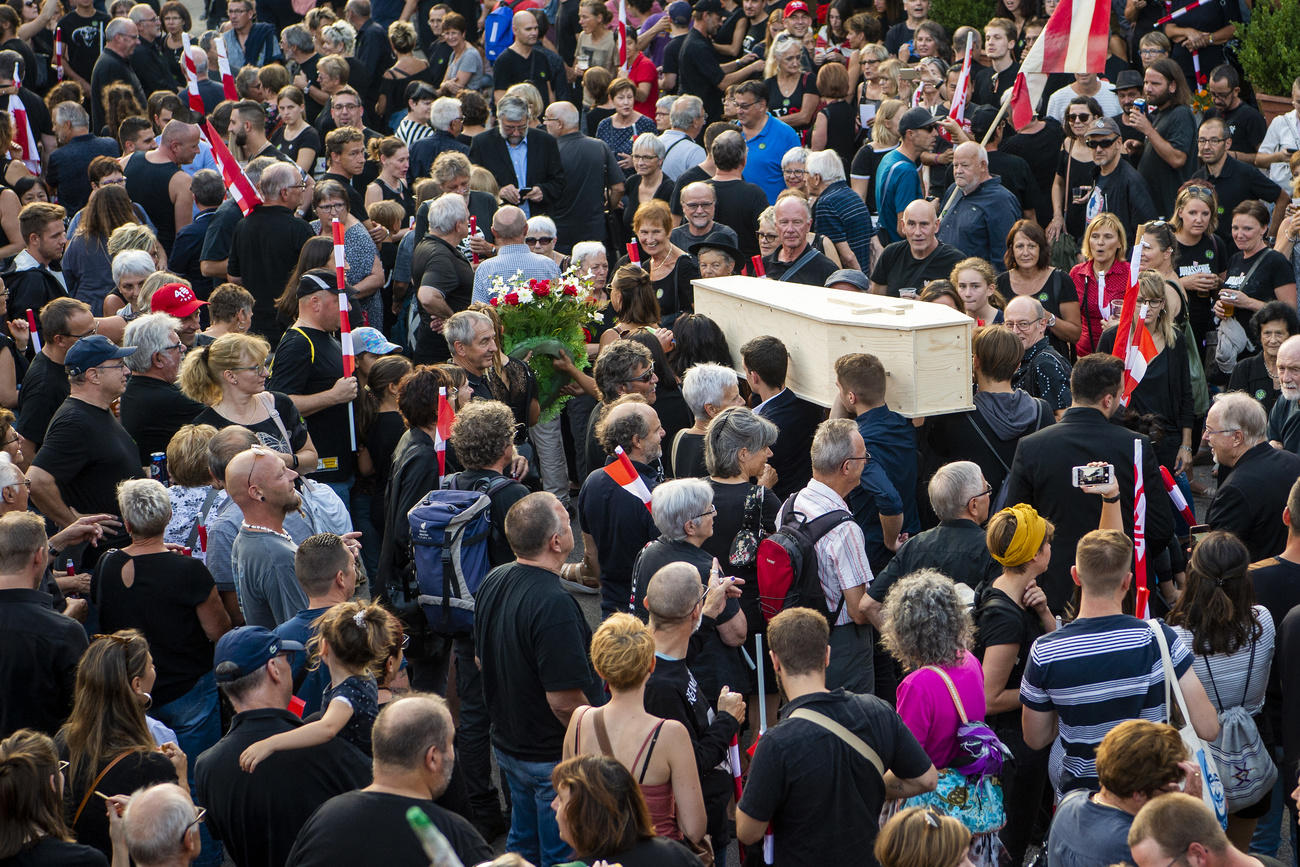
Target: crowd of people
{"x": 975, "y": 665}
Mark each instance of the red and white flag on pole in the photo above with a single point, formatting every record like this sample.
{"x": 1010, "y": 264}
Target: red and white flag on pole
{"x": 442, "y": 433}
{"x": 622, "y": 35}
{"x": 58, "y": 54}
{"x": 237, "y": 183}
{"x": 345, "y": 324}
{"x": 223, "y": 64}
{"x": 1176, "y": 494}
{"x": 960, "y": 95}
{"x": 625, "y": 475}
{"x": 1074, "y": 40}
{"x": 1133, "y": 342}
{"x": 192, "y": 79}
{"x": 24, "y": 136}
{"x": 1139, "y": 534}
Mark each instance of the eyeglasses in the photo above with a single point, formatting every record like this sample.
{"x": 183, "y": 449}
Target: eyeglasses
{"x": 345, "y": 105}
{"x": 26, "y": 483}
{"x": 93, "y": 329}
{"x": 744, "y": 106}
{"x": 1151, "y": 52}
{"x": 198, "y": 817}
{"x": 693, "y": 206}
{"x": 171, "y": 346}
{"x": 331, "y": 206}
{"x": 1018, "y": 325}
{"x": 794, "y": 173}
{"x": 865, "y": 457}
{"x": 713, "y": 510}
{"x": 109, "y": 367}
{"x": 1079, "y": 118}
{"x": 531, "y": 241}
{"x": 264, "y": 367}
{"x": 1101, "y": 144}
{"x": 648, "y": 376}
{"x": 768, "y": 236}
{"x": 14, "y": 441}
{"x": 1213, "y": 432}
{"x": 984, "y": 493}
{"x": 1217, "y": 140}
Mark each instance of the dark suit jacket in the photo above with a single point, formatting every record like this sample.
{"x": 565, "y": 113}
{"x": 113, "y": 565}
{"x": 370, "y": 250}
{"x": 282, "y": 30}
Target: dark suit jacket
{"x": 372, "y": 48}
{"x": 110, "y": 68}
{"x": 797, "y": 421}
{"x": 426, "y": 150}
{"x": 153, "y": 67}
{"x": 1040, "y": 475}
{"x": 1250, "y": 502}
{"x": 544, "y": 168}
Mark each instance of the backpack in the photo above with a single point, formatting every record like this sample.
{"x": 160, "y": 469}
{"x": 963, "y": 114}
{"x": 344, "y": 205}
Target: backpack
{"x": 497, "y": 31}
{"x": 787, "y": 563}
{"x": 1240, "y": 747}
{"x": 449, "y": 547}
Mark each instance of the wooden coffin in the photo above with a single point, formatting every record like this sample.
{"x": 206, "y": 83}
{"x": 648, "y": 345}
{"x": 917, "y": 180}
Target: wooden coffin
{"x": 925, "y": 348}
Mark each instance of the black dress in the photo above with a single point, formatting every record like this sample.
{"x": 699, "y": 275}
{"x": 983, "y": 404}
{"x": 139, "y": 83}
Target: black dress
{"x": 402, "y": 196}
{"x": 631, "y": 202}
{"x": 841, "y": 131}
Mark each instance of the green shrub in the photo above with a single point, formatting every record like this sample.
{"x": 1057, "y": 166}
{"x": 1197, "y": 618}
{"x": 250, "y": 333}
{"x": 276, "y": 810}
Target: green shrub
{"x": 954, "y": 13}
{"x": 1269, "y": 51}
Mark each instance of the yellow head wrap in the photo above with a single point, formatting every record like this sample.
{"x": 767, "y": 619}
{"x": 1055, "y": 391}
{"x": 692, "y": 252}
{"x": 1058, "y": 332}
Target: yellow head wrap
{"x": 1031, "y": 529}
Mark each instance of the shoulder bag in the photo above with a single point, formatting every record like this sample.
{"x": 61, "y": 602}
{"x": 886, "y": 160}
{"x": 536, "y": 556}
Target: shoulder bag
{"x": 1064, "y": 253}
{"x": 1211, "y": 785}
{"x": 99, "y": 778}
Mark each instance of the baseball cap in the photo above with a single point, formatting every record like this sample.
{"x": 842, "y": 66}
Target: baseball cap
{"x": 981, "y": 120}
{"x": 175, "y": 299}
{"x": 316, "y": 280}
{"x": 93, "y": 351}
{"x": 679, "y": 12}
{"x": 796, "y": 6}
{"x": 1128, "y": 79}
{"x": 708, "y": 6}
{"x": 1102, "y": 126}
{"x": 367, "y": 339}
{"x": 248, "y": 648}
{"x": 851, "y": 276}
{"x": 916, "y": 118}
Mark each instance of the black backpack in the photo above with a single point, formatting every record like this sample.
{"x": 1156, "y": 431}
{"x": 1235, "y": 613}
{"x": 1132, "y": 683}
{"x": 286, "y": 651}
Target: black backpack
{"x": 787, "y": 563}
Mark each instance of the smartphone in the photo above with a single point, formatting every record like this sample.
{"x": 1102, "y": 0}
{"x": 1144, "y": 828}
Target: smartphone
{"x": 909, "y": 73}
{"x": 523, "y": 191}
{"x": 1102, "y": 475}
{"x": 1199, "y": 532}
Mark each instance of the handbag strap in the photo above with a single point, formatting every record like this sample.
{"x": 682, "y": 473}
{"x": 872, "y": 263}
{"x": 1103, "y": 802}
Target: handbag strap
{"x": 602, "y": 733}
{"x": 269, "y": 403}
{"x": 858, "y": 744}
{"x": 98, "y": 779}
{"x": 970, "y": 417}
{"x": 952, "y": 691}
{"x": 1172, "y": 689}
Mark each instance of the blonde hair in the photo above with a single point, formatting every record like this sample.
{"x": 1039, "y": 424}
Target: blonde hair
{"x": 623, "y": 651}
{"x": 484, "y": 181}
{"x": 132, "y": 236}
{"x": 151, "y": 284}
{"x": 922, "y": 837}
{"x": 1151, "y": 287}
{"x": 1104, "y": 220}
{"x": 201, "y": 371}
{"x": 881, "y": 135}
{"x": 529, "y": 94}
{"x": 187, "y": 455}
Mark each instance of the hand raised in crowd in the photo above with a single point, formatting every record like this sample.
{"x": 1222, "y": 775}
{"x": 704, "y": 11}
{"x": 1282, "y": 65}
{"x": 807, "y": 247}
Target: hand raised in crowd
{"x": 732, "y": 703}
{"x": 352, "y": 541}
{"x": 344, "y": 389}
{"x": 180, "y": 763}
{"x": 87, "y": 528}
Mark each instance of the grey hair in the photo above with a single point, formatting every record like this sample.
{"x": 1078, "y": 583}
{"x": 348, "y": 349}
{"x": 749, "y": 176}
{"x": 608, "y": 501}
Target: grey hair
{"x": 583, "y": 249}
{"x": 649, "y": 141}
{"x": 207, "y": 38}
{"x": 542, "y": 223}
{"x": 676, "y": 502}
{"x": 116, "y": 28}
{"x": 1242, "y": 412}
{"x": 767, "y": 216}
{"x": 1034, "y": 304}
{"x": 706, "y": 383}
{"x": 686, "y": 111}
{"x": 297, "y": 36}
{"x": 132, "y": 263}
{"x": 200, "y": 58}
{"x": 446, "y": 211}
{"x": 794, "y": 156}
{"x": 138, "y": 11}
{"x": 952, "y": 487}
{"x": 565, "y": 113}
{"x": 445, "y": 111}
{"x": 731, "y": 430}
{"x": 145, "y": 506}
{"x": 513, "y": 109}
{"x": 665, "y": 103}
{"x": 833, "y": 444}
{"x": 255, "y": 168}
{"x": 341, "y": 32}
{"x": 825, "y": 164}
{"x": 10, "y": 473}
{"x": 980, "y": 151}
{"x": 926, "y": 623}
{"x": 149, "y": 335}
{"x": 156, "y": 822}
{"x": 208, "y": 188}
{"x": 460, "y": 327}
{"x": 72, "y": 114}
{"x": 278, "y": 178}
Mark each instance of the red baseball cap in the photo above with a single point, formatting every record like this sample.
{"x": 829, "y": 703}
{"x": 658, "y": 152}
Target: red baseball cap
{"x": 796, "y": 6}
{"x": 175, "y": 299}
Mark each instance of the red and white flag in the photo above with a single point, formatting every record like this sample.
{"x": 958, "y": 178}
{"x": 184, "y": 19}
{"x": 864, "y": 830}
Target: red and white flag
{"x": 1133, "y": 342}
{"x": 442, "y": 433}
{"x": 345, "y": 324}
{"x": 625, "y": 475}
{"x": 58, "y": 54}
{"x": 1176, "y": 494}
{"x": 1074, "y": 40}
{"x": 960, "y": 95}
{"x": 24, "y": 136}
{"x": 622, "y": 35}
{"x": 192, "y": 79}
{"x": 223, "y": 64}
{"x": 1179, "y": 13}
{"x": 1139, "y": 534}
{"x": 237, "y": 183}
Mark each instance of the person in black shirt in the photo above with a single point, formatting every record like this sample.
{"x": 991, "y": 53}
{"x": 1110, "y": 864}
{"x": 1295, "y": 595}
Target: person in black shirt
{"x": 153, "y": 408}
{"x": 524, "y": 61}
{"x": 45, "y": 385}
{"x": 308, "y": 367}
{"x": 413, "y": 760}
{"x": 1234, "y": 180}
{"x": 86, "y": 451}
{"x": 796, "y": 261}
{"x": 155, "y": 69}
{"x": 81, "y": 32}
{"x": 258, "y": 815}
{"x": 214, "y": 259}
{"x": 1246, "y": 126}
{"x": 917, "y": 259}
{"x": 444, "y": 279}
{"x": 533, "y": 639}
{"x": 698, "y": 70}
{"x": 112, "y": 67}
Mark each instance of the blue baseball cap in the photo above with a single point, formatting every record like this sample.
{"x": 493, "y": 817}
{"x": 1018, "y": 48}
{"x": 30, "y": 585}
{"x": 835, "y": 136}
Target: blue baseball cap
{"x": 93, "y": 351}
{"x": 372, "y": 340}
{"x": 679, "y": 12}
{"x": 247, "y": 649}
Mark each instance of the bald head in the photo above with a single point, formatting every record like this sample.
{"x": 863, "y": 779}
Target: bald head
{"x": 160, "y": 826}
{"x": 970, "y": 165}
{"x": 510, "y": 224}
{"x": 672, "y": 594}
{"x": 179, "y": 131}
{"x": 565, "y": 115}
{"x": 1027, "y": 318}
{"x": 921, "y": 227}
{"x": 920, "y": 209}
{"x": 406, "y": 729}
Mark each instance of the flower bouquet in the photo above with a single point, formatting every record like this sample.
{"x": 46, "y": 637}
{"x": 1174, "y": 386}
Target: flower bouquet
{"x": 542, "y": 319}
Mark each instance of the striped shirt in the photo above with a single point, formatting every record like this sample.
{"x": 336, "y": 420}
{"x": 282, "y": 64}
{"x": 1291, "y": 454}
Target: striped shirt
{"x": 1095, "y": 673}
{"x": 1236, "y": 682}
{"x": 841, "y": 553}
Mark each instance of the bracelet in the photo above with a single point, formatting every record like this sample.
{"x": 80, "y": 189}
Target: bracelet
{"x": 1114, "y": 499}
{"x": 1187, "y": 449}
{"x": 294, "y": 465}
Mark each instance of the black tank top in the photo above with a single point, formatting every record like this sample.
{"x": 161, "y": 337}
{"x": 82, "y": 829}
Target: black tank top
{"x": 147, "y": 184}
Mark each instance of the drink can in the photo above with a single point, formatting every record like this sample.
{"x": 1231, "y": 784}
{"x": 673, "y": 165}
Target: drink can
{"x": 1140, "y": 104}
{"x": 187, "y": 551}
{"x": 158, "y": 467}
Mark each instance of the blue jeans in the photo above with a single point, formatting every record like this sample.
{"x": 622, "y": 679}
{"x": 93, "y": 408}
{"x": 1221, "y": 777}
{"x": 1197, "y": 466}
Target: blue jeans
{"x": 196, "y": 719}
{"x": 534, "y": 833}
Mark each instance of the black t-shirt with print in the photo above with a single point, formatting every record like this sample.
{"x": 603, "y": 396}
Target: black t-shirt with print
{"x": 1207, "y": 256}
{"x": 309, "y": 361}
{"x": 268, "y": 432}
{"x": 1268, "y": 273}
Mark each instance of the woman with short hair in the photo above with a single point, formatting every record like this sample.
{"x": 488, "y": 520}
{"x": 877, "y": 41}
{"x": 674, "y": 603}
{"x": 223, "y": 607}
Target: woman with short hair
{"x": 541, "y": 240}
{"x": 230, "y": 309}
{"x": 647, "y": 182}
{"x": 365, "y": 271}
{"x": 1029, "y": 271}
{"x": 129, "y": 271}
{"x": 625, "y": 125}
{"x": 670, "y": 269}
{"x": 190, "y": 491}
{"x": 465, "y": 68}
{"x": 1257, "y": 374}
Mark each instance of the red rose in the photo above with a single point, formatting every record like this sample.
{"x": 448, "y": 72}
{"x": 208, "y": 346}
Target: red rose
{"x": 541, "y": 291}
{"x": 544, "y": 284}
{"x": 532, "y": 284}
{"x": 571, "y": 291}
{"x": 495, "y": 301}
{"x": 512, "y": 297}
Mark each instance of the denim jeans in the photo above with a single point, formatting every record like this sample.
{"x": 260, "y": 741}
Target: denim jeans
{"x": 196, "y": 719}
{"x": 534, "y": 833}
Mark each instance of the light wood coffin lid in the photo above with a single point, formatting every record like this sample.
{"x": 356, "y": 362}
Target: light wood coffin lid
{"x": 926, "y": 348}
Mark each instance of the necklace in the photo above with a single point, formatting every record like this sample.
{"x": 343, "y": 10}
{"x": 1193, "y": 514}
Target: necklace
{"x": 258, "y": 528}
{"x": 659, "y": 263}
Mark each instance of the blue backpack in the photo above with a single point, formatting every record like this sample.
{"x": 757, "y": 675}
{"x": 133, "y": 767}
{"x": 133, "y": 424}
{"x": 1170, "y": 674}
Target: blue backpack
{"x": 449, "y": 543}
{"x": 497, "y": 31}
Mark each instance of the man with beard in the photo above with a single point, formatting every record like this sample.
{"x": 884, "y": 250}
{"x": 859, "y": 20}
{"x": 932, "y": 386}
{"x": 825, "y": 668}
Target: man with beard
{"x": 1284, "y": 418}
{"x": 525, "y": 161}
{"x": 1170, "y": 130}
{"x": 248, "y": 128}
{"x": 262, "y": 554}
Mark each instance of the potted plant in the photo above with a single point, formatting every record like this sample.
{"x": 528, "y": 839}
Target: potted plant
{"x": 1270, "y": 54}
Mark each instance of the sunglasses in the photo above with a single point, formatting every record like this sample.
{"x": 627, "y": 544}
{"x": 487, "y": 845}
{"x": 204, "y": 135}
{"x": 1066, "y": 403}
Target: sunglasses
{"x": 1095, "y": 144}
{"x": 645, "y": 377}
{"x": 531, "y": 241}
{"x": 1079, "y": 118}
